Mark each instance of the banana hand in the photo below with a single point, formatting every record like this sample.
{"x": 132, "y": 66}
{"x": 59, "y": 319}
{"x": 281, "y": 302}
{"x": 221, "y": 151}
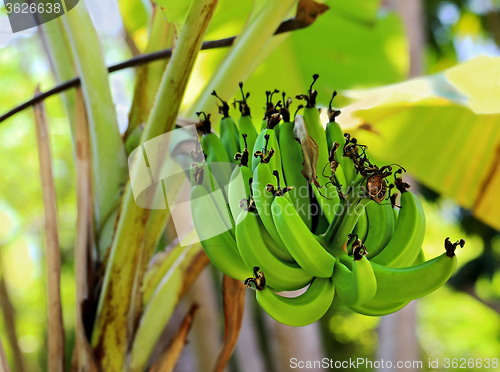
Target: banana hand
{"x": 380, "y": 308}
{"x": 254, "y": 250}
{"x": 380, "y": 227}
{"x": 262, "y": 176}
{"x": 291, "y": 157}
{"x": 216, "y": 240}
{"x": 299, "y": 241}
{"x": 408, "y": 236}
{"x": 410, "y": 283}
{"x": 358, "y": 286}
{"x": 302, "y": 310}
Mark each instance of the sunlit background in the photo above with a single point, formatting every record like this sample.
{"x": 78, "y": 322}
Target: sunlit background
{"x": 450, "y": 323}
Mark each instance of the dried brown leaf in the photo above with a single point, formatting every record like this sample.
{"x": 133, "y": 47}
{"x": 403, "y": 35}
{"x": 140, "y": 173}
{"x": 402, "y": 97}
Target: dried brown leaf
{"x": 308, "y": 11}
{"x": 233, "y": 294}
{"x": 309, "y": 150}
{"x": 83, "y": 358}
{"x": 4, "y": 365}
{"x": 167, "y": 361}
{"x": 55, "y": 331}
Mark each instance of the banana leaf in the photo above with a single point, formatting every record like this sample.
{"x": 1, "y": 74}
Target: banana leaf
{"x": 444, "y": 129}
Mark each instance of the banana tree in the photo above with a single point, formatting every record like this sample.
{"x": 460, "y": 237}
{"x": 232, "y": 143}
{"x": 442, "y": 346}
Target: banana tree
{"x": 126, "y": 290}
{"x": 123, "y": 303}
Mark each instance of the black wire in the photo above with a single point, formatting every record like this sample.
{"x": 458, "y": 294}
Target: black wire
{"x": 285, "y": 26}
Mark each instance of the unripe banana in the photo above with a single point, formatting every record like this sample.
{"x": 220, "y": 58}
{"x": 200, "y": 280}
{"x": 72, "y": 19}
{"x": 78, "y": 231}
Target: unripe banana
{"x": 239, "y": 189}
{"x": 245, "y": 123}
{"x": 335, "y": 134}
{"x": 379, "y": 308}
{"x": 409, "y": 232}
{"x": 361, "y": 228}
{"x": 254, "y": 250}
{"x": 292, "y": 158}
{"x": 358, "y": 286}
{"x": 410, "y": 283}
{"x": 200, "y": 175}
{"x": 217, "y": 242}
{"x": 380, "y": 227}
{"x": 316, "y": 131}
{"x": 302, "y": 310}
{"x": 262, "y": 176}
{"x": 229, "y": 134}
{"x": 300, "y": 242}
{"x": 267, "y": 150}
{"x": 217, "y": 158}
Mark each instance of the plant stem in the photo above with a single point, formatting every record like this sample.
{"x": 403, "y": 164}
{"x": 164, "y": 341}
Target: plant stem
{"x": 112, "y": 329}
{"x": 177, "y": 280}
{"x": 336, "y": 235}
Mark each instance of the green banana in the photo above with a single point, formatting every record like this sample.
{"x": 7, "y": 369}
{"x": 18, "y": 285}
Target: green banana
{"x": 301, "y": 310}
{"x": 200, "y": 175}
{"x": 240, "y": 183}
{"x": 266, "y": 150}
{"x": 292, "y": 158}
{"x": 255, "y": 251}
{"x": 410, "y": 283}
{"x": 380, "y": 227}
{"x": 335, "y": 134}
{"x": 239, "y": 188}
{"x": 216, "y": 155}
{"x": 270, "y": 111}
{"x": 316, "y": 131}
{"x": 245, "y": 123}
{"x": 362, "y": 227}
{"x": 300, "y": 242}
{"x": 229, "y": 134}
{"x": 356, "y": 286}
{"x": 217, "y": 242}
{"x": 262, "y": 176}
{"x": 409, "y": 232}
{"x": 380, "y": 308}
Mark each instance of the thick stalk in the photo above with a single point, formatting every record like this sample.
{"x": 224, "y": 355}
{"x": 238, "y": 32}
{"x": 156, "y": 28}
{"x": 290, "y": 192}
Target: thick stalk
{"x": 336, "y": 235}
{"x": 166, "y": 297}
{"x": 240, "y": 59}
{"x": 173, "y": 84}
{"x": 149, "y": 76}
{"x": 112, "y": 334}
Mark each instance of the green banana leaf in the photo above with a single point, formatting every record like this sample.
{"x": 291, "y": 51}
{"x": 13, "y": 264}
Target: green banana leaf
{"x": 108, "y": 154}
{"x": 149, "y": 75}
{"x": 363, "y": 48}
{"x": 175, "y": 11}
{"x": 135, "y": 14}
{"x": 444, "y": 129}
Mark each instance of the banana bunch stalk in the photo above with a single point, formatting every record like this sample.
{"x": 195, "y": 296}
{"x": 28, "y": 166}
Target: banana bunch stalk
{"x": 302, "y": 207}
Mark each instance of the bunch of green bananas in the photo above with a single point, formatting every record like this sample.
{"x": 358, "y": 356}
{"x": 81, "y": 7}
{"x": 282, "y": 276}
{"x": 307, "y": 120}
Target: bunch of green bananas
{"x": 305, "y": 209}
